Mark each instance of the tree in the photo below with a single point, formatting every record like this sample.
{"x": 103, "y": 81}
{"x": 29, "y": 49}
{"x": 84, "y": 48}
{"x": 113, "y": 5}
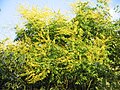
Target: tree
{"x": 52, "y": 52}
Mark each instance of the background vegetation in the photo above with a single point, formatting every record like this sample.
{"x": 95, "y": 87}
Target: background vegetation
{"x": 54, "y": 53}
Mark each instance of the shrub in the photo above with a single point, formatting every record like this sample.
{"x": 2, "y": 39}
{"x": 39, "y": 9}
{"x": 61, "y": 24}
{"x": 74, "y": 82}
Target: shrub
{"x": 54, "y": 53}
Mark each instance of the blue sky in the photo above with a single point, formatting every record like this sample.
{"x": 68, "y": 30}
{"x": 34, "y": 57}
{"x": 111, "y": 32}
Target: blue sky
{"x": 9, "y": 15}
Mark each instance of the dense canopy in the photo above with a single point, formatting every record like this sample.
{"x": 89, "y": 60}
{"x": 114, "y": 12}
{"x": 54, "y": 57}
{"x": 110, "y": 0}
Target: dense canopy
{"x": 52, "y": 52}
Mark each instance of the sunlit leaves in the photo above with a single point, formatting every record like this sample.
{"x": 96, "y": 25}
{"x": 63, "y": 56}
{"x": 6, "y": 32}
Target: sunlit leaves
{"x": 60, "y": 53}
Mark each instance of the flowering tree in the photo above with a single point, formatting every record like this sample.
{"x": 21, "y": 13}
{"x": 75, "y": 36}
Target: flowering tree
{"x": 54, "y": 53}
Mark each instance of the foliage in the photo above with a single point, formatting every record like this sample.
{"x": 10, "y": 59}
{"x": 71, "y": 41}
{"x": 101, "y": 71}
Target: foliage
{"x": 54, "y": 53}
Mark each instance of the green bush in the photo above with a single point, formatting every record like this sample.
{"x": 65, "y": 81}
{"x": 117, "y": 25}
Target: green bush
{"x": 53, "y": 53}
